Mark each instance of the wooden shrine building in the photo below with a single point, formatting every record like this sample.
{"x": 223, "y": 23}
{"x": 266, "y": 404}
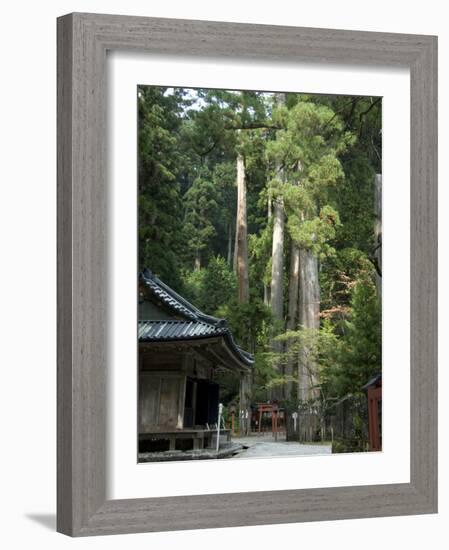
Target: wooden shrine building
{"x": 181, "y": 352}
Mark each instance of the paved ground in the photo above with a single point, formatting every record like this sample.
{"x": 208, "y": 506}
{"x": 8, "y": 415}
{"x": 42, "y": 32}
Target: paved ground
{"x": 266, "y": 446}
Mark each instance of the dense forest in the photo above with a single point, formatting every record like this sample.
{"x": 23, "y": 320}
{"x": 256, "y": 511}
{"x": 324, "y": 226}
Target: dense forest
{"x": 263, "y": 208}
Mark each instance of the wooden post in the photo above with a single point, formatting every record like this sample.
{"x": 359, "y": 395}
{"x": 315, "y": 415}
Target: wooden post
{"x": 374, "y": 395}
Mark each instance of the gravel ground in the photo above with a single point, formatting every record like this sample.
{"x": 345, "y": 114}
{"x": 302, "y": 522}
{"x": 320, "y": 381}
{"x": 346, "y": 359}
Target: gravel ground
{"x": 266, "y": 446}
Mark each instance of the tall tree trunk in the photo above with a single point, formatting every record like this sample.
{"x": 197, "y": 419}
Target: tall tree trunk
{"x": 277, "y": 282}
{"x": 197, "y": 265}
{"x": 245, "y": 403}
{"x": 236, "y": 241}
{"x": 241, "y": 269}
{"x": 292, "y": 315}
{"x": 309, "y": 318}
{"x": 378, "y": 231}
{"x": 266, "y": 287}
{"x": 241, "y": 234}
{"x": 277, "y": 259}
{"x": 276, "y": 208}
{"x": 229, "y": 258}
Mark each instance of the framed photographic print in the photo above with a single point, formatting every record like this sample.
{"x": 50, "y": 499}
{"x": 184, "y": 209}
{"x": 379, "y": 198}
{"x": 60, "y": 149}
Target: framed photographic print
{"x": 250, "y": 178}
{"x": 246, "y": 274}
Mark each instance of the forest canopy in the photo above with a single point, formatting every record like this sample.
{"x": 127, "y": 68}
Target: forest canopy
{"x": 263, "y": 208}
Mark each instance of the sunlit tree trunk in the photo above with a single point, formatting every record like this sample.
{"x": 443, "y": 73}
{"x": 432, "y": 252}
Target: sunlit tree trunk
{"x": 277, "y": 282}
{"x": 309, "y": 318}
{"x": 292, "y": 314}
{"x": 241, "y": 268}
{"x": 276, "y": 210}
{"x": 241, "y": 234}
{"x": 197, "y": 265}
{"x": 266, "y": 287}
{"x": 236, "y": 246}
{"x": 277, "y": 258}
{"x": 229, "y": 258}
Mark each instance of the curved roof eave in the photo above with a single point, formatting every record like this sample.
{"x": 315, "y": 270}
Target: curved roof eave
{"x": 179, "y": 305}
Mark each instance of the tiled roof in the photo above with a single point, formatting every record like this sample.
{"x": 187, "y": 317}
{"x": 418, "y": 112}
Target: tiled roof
{"x": 196, "y": 324}
{"x": 168, "y": 296}
{"x": 175, "y": 330}
{"x": 174, "y": 301}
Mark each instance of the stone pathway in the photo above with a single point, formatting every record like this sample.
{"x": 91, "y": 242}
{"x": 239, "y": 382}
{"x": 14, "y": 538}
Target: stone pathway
{"x": 266, "y": 446}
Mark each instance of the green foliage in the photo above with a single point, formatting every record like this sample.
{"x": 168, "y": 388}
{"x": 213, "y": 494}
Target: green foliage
{"x": 359, "y": 351}
{"x": 201, "y": 208}
{"x": 320, "y": 345}
{"x": 212, "y": 286}
{"x": 159, "y": 191}
{"x": 308, "y": 145}
{"x": 307, "y": 148}
{"x": 362, "y": 344}
{"x": 259, "y": 252}
{"x": 354, "y": 445}
{"x": 315, "y": 233}
{"x": 251, "y": 323}
{"x": 320, "y": 154}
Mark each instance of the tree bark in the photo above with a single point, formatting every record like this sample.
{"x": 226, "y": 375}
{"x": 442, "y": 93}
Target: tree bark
{"x": 292, "y": 314}
{"x": 229, "y": 258}
{"x": 277, "y": 258}
{"x": 197, "y": 265}
{"x": 236, "y": 240}
{"x": 276, "y": 208}
{"x": 245, "y": 404}
{"x": 241, "y": 234}
{"x": 241, "y": 269}
{"x": 266, "y": 287}
{"x": 309, "y": 318}
{"x": 277, "y": 282}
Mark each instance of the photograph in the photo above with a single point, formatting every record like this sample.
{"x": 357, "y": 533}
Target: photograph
{"x": 259, "y": 274}
{"x": 259, "y": 290}
{"x": 247, "y": 278}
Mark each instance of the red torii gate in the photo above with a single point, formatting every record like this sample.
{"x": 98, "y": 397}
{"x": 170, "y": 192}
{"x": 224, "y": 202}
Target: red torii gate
{"x": 272, "y": 408}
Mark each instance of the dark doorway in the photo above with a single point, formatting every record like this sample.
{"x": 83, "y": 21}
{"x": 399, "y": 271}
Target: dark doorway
{"x": 206, "y": 402}
{"x": 213, "y": 403}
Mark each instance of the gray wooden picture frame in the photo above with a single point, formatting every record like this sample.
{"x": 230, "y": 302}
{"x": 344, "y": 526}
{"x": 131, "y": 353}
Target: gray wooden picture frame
{"x": 83, "y": 40}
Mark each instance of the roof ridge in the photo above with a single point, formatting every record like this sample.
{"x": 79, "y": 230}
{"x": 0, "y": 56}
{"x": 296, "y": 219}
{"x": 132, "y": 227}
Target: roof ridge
{"x": 178, "y": 321}
{"x": 148, "y": 277}
{"x": 177, "y": 303}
